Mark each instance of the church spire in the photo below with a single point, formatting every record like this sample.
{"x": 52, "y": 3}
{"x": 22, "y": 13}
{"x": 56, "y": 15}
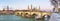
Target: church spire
{"x": 31, "y": 7}
{"x": 28, "y": 7}
{"x": 39, "y": 8}
{"x": 7, "y": 7}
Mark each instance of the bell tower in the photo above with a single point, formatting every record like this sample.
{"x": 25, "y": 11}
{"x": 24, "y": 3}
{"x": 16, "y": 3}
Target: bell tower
{"x": 30, "y": 7}
{"x": 7, "y": 8}
{"x": 39, "y": 8}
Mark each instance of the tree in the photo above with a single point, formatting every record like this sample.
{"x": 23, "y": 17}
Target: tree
{"x": 55, "y": 4}
{"x": 59, "y": 10}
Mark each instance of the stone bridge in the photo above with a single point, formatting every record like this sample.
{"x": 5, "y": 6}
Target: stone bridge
{"x": 32, "y": 13}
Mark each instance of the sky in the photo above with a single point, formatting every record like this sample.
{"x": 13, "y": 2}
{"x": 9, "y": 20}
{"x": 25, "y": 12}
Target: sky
{"x": 23, "y": 4}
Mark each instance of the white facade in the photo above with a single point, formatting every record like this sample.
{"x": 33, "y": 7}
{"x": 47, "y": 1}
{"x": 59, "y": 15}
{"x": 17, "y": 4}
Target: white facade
{"x": 55, "y": 17}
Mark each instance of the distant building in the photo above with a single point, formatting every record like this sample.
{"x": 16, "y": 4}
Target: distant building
{"x": 6, "y": 11}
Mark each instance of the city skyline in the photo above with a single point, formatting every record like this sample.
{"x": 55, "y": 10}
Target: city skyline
{"x": 23, "y": 4}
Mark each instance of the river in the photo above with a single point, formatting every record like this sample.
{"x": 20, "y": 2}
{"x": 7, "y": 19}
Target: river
{"x": 13, "y": 18}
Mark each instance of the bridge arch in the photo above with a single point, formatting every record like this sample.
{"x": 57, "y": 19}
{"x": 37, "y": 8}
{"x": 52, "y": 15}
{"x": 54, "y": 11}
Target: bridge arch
{"x": 34, "y": 14}
{"x": 47, "y": 16}
{"x": 26, "y": 13}
{"x": 17, "y": 13}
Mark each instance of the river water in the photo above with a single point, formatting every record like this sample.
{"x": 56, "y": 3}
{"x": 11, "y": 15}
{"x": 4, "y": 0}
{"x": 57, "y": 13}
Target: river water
{"x": 15, "y": 18}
